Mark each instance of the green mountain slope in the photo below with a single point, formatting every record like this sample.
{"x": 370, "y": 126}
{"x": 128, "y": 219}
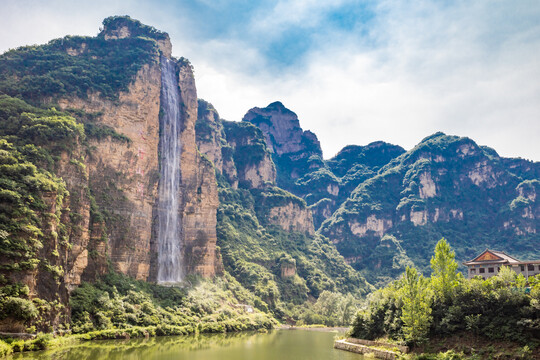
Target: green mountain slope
{"x": 446, "y": 186}
{"x": 266, "y": 234}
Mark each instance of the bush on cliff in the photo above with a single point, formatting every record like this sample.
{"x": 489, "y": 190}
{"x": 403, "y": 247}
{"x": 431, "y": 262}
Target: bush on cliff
{"x": 74, "y": 65}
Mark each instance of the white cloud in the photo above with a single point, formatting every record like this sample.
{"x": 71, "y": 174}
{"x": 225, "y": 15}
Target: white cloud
{"x": 466, "y": 68}
{"x": 455, "y": 69}
{"x": 286, "y": 13}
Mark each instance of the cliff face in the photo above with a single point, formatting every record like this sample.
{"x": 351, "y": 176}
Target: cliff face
{"x": 212, "y": 142}
{"x": 253, "y": 166}
{"x": 295, "y": 151}
{"x": 445, "y": 187}
{"x": 103, "y": 205}
{"x": 124, "y": 174}
{"x": 124, "y": 177}
{"x": 210, "y": 134}
{"x": 252, "y": 160}
{"x": 292, "y": 217}
{"x": 43, "y": 227}
{"x": 275, "y": 206}
{"x": 199, "y": 192}
{"x": 323, "y": 184}
{"x": 282, "y": 131}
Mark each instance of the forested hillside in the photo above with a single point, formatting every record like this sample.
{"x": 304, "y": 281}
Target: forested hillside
{"x": 384, "y": 208}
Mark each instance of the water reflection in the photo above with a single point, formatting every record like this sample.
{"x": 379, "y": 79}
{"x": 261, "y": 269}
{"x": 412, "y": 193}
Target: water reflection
{"x": 278, "y": 344}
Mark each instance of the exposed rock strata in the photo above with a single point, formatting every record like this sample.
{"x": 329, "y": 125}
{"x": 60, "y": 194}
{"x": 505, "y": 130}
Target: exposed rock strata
{"x": 123, "y": 177}
{"x": 292, "y": 217}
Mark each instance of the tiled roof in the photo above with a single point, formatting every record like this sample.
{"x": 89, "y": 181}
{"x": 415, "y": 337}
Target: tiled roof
{"x": 493, "y": 257}
{"x": 504, "y": 256}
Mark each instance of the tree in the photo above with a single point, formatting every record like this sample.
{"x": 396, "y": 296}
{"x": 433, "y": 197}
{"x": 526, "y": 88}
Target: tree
{"x": 507, "y": 275}
{"x": 444, "y": 277}
{"x": 416, "y": 311}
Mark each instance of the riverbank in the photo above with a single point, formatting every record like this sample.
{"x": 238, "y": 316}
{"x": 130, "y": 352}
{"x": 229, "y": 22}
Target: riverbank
{"x": 456, "y": 347}
{"x": 476, "y": 347}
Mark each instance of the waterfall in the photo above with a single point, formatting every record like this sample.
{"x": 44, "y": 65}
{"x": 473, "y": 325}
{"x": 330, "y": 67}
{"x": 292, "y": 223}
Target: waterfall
{"x": 169, "y": 220}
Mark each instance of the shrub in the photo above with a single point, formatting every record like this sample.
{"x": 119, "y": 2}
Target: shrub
{"x": 19, "y": 309}
{"x": 5, "y": 349}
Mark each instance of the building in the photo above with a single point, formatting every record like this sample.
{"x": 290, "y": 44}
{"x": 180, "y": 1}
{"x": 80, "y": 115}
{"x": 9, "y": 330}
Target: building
{"x": 488, "y": 264}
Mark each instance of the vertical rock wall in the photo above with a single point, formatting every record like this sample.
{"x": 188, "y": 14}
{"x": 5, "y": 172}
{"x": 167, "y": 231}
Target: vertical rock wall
{"x": 123, "y": 178}
{"x": 199, "y": 189}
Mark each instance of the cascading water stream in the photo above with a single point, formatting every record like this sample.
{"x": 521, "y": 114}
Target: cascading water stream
{"x": 169, "y": 220}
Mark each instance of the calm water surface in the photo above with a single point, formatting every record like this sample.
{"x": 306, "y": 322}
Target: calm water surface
{"x": 278, "y": 344}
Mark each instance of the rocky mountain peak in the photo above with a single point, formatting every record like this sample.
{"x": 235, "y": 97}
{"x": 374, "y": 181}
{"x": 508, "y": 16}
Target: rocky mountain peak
{"x": 282, "y": 130}
{"x": 121, "y": 27}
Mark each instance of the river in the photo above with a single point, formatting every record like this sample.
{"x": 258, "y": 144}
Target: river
{"x": 277, "y": 344}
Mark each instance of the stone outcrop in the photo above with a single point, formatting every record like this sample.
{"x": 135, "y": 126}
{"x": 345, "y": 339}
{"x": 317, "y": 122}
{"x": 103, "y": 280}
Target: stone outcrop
{"x": 372, "y": 224}
{"x": 282, "y": 130}
{"x": 292, "y": 217}
{"x": 288, "y": 270}
{"x": 252, "y": 160}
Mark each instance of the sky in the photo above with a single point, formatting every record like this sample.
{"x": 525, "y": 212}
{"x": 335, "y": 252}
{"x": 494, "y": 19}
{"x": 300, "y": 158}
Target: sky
{"x": 354, "y": 71}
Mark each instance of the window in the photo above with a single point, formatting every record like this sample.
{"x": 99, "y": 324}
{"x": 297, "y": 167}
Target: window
{"x": 482, "y": 270}
{"x": 490, "y": 270}
{"x": 473, "y": 271}
{"x": 522, "y": 268}
{"x": 530, "y": 267}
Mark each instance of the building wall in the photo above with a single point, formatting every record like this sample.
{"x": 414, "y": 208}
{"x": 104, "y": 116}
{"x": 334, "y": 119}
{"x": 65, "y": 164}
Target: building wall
{"x": 525, "y": 269}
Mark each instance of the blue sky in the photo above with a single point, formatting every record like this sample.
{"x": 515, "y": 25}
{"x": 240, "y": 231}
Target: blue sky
{"x": 354, "y": 71}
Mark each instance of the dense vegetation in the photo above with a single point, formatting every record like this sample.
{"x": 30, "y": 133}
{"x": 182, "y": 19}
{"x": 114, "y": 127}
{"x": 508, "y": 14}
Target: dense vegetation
{"x": 446, "y": 186}
{"x": 78, "y": 65}
{"x": 35, "y": 228}
{"x": 255, "y": 255}
{"x": 117, "y": 306}
{"x": 118, "y": 302}
{"x": 416, "y": 310}
{"x": 32, "y": 231}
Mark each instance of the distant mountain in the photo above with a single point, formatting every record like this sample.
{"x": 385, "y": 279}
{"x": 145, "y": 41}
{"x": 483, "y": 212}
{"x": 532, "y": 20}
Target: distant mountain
{"x": 386, "y": 208}
{"x": 324, "y": 185}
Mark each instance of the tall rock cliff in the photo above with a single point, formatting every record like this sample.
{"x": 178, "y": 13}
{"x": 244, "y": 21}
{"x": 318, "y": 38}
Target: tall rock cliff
{"x": 301, "y": 169}
{"x": 253, "y": 161}
{"x": 212, "y": 142}
{"x": 106, "y": 213}
{"x": 282, "y": 131}
{"x": 294, "y": 150}
{"x": 239, "y": 152}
